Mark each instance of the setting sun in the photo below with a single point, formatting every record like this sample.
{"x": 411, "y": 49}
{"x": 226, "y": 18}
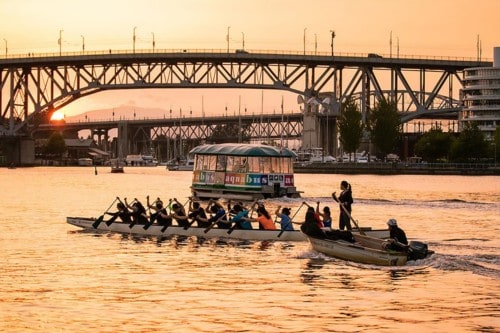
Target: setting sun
{"x": 57, "y": 116}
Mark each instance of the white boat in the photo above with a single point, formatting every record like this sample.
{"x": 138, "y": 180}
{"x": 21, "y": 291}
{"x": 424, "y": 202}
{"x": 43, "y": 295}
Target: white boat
{"x": 181, "y": 165}
{"x": 368, "y": 250}
{"x": 85, "y": 162}
{"x": 140, "y": 160}
{"x": 161, "y": 231}
{"x": 313, "y": 155}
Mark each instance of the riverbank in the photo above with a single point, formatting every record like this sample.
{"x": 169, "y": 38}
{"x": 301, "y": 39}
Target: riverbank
{"x": 401, "y": 168}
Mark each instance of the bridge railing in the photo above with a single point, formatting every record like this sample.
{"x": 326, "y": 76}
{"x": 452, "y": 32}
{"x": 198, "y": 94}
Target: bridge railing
{"x": 232, "y": 51}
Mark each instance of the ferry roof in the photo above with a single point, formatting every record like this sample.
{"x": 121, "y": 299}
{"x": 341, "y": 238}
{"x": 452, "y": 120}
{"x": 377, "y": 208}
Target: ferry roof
{"x": 242, "y": 149}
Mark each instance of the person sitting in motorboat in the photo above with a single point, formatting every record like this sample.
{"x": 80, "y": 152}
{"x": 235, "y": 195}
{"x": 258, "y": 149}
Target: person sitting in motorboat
{"x": 316, "y": 215}
{"x": 310, "y": 226}
{"x": 397, "y": 240}
{"x": 241, "y": 218}
{"x": 286, "y": 222}
{"x": 123, "y": 213}
{"x": 138, "y": 212}
{"x": 325, "y": 215}
{"x": 264, "y": 218}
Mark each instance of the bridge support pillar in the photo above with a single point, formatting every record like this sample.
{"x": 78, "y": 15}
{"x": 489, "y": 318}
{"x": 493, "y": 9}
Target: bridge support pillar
{"x": 17, "y": 151}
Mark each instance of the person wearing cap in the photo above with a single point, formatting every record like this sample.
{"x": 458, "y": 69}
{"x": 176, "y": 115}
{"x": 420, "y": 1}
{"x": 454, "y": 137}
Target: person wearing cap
{"x": 397, "y": 241}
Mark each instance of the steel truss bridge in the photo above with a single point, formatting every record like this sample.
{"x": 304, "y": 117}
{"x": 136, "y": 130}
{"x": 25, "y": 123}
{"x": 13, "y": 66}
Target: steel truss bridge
{"x": 137, "y": 135}
{"x": 36, "y": 85}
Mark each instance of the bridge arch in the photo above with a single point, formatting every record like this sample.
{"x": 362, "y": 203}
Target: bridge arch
{"x": 37, "y": 85}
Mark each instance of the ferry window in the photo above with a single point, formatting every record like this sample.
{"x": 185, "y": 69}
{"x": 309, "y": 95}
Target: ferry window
{"x": 253, "y": 164}
{"x": 232, "y": 163}
{"x": 265, "y": 165}
{"x": 285, "y": 165}
{"x": 212, "y": 162}
{"x": 198, "y": 162}
{"x": 275, "y": 165}
{"x": 221, "y": 163}
{"x": 208, "y": 162}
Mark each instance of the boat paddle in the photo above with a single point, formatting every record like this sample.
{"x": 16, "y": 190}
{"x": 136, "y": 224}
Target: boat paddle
{"x": 147, "y": 225}
{"x": 352, "y": 219}
{"x": 131, "y": 225}
{"x": 170, "y": 214}
{"x": 283, "y": 230}
{"x": 101, "y": 218}
{"x": 207, "y": 229}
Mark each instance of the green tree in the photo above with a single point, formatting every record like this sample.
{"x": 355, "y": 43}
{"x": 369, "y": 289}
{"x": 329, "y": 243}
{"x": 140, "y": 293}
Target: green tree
{"x": 496, "y": 144}
{"x": 350, "y": 126}
{"x": 470, "y": 145}
{"x": 384, "y": 126}
{"x": 55, "y": 146}
{"x": 230, "y": 132}
{"x": 434, "y": 145}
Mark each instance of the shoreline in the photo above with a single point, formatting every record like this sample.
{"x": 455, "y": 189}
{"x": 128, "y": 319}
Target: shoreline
{"x": 358, "y": 168}
{"x": 400, "y": 169}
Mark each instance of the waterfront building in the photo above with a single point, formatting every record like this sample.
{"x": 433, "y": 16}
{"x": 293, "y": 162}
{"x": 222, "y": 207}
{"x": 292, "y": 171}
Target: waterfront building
{"x": 481, "y": 97}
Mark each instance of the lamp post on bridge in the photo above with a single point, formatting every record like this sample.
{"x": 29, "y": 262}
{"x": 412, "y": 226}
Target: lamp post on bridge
{"x": 59, "y": 41}
{"x": 83, "y": 43}
{"x": 153, "y": 41}
{"x": 133, "y": 40}
{"x": 227, "y": 38}
{"x": 5, "y": 40}
{"x": 305, "y": 29}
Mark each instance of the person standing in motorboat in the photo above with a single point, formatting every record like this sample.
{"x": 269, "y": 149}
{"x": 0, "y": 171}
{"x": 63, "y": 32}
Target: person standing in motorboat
{"x": 397, "y": 240}
{"x": 345, "y": 200}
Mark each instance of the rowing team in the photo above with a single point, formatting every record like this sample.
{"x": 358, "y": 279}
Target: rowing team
{"x": 236, "y": 216}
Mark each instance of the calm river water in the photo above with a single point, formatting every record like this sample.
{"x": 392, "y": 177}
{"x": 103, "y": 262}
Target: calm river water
{"x": 56, "y": 278}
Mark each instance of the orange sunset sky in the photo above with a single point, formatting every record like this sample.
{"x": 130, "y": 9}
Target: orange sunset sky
{"x": 420, "y": 27}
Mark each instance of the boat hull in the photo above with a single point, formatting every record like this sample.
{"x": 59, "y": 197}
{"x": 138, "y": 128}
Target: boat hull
{"x": 358, "y": 253}
{"x": 159, "y": 231}
{"x": 156, "y": 230}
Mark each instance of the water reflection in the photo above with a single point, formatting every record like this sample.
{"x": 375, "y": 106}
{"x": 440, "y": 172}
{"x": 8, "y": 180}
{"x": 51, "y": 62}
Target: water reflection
{"x": 309, "y": 273}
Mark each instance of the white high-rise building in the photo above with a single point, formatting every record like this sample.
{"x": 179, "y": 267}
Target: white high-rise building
{"x": 481, "y": 97}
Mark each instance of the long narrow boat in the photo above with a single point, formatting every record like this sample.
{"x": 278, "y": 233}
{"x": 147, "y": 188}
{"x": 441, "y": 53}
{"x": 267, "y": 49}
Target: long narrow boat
{"x": 161, "y": 231}
{"x": 369, "y": 250}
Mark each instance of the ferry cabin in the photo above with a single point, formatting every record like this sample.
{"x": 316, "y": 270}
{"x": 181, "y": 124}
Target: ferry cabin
{"x": 243, "y": 171}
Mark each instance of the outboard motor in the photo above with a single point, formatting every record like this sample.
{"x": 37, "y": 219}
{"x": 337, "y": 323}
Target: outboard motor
{"x": 417, "y": 250}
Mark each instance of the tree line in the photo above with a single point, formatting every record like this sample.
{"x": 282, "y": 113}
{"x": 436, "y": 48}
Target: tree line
{"x": 384, "y": 128}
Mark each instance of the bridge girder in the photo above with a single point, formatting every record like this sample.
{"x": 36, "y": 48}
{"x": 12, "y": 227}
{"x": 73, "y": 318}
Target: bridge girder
{"x": 34, "y": 85}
